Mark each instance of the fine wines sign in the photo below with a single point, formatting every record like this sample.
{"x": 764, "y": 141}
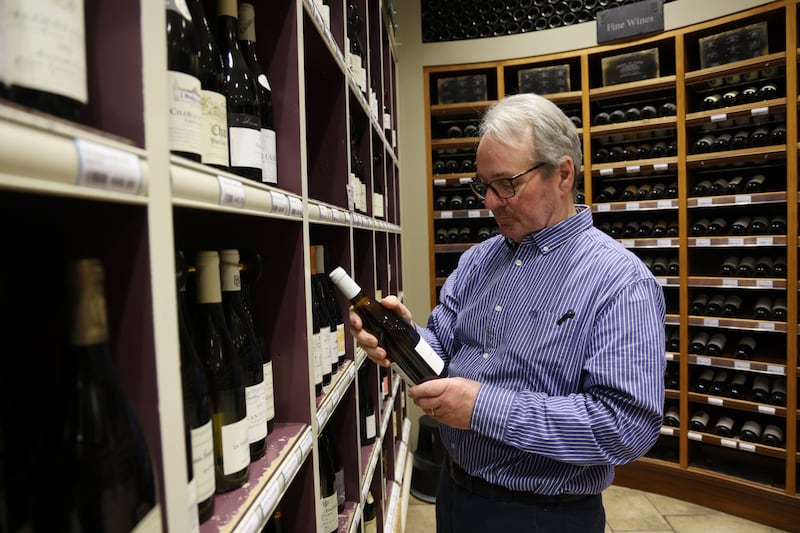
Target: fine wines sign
{"x": 638, "y": 18}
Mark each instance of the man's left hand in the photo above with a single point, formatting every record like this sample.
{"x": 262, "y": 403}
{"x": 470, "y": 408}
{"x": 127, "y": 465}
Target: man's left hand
{"x": 448, "y": 400}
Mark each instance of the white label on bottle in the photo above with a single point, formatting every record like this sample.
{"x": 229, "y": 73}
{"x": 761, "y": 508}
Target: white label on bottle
{"x": 214, "y": 141}
{"x": 191, "y": 500}
{"x": 256, "y": 412}
{"x": 387, "y": 121}
{"x": 316, "y": 349}
{"x": 429, "y": 356}
{"x": 325, "y": 348}
{"x": 334, "y": 348}
{"x": 185, "y": 113}
{"x": 245, "y": 146}
{"x": 45, "y": 47}
{"x": 341, "y": 349}
{"x": 103, "y": 167}
{"x": 330, "y": 516}
{"x": 269, "y": 154}
{"x": 231, "y": 192}
{"x": 235, "y": 447}
{"x": 203, "y": 460}
{"x": 269, "y": 391}
{"x": 369, "y": 426}
{"x": 150, "y": 523}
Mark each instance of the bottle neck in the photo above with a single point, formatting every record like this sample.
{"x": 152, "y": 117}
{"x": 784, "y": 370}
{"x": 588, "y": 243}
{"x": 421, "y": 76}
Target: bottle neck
{"x": 247, "y": 22}
{"x": 208, "y": 282}
{"x": 89, "y": 326}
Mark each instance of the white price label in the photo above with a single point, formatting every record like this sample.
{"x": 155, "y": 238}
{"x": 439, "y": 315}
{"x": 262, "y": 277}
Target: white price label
{"x": 664, "y": 243}
{"x": 776, "y": 369}
{"x": 766, "y": 326}
{"x": 703, "y": 202}
{"x": 664, "y": 204}
{"x": 712, "y": 400}
{"x": 633, "y": 169}
{"x": 703, "y": 361}
{"x": 702, "y": 242}
{"x": 735, "y": 241}
{"x": 295, "y": 206}
{"x": 446, "y": 214}
{"x": 111, "y": 169}
{"x": 711, "y": 322}
{"x": 606, "y": 171}
{"x": 632, "y": 206}
{"x": 231, "y": 192}
{"x": 252, "y": 523}
{"x": 766, "y": 409}
{"x": 730, "y": 282}
{"x": 603, "y": 207}
{"x": 669, "y": 356}
{"x": 747, "y": 447}
{"x": 628, "y": 243}
{"x": 764, "y": 283}
{"x": 667, "y": 430}
{"x": 474, "y": 213}
{"x": 280, "y": 204}
{"x": 324, "y": 212}
{"x": 693, "y": 435}
{"x": 465, "y": 181}
{"x": 729, "y": 443}
{"x": 719, "y": 117}
{"x": 660, "y": 167}
{"x": 765, "y": 241}
{"x": 742, "y": 199}
{"x": 290, "y": 467}
{"x": 438, "y": 182}
{"x": 756, "y": 111}
{"x": 741, "y": 365}
{"x": 335, "y": 215}
{"x": 269, "y": 498}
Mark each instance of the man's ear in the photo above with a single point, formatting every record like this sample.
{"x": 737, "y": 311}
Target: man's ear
{"x": 566, "y": 173}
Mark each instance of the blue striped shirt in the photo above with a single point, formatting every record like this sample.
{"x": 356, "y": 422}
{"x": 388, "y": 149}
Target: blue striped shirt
{"x": 565, "y": 333}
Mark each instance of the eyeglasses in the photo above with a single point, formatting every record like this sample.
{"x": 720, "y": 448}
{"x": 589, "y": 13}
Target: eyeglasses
{"x": 503, "y": 188}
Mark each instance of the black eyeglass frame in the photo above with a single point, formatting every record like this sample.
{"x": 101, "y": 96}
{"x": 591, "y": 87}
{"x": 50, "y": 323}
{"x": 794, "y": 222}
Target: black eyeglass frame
{"x": 476, "y": 184}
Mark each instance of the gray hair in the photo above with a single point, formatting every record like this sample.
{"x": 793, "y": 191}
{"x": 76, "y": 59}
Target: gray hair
{"x": 533, "y": 123}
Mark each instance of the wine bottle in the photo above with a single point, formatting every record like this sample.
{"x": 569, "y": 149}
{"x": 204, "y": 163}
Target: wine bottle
{"x": 703, "y": 144}
{"x": 763, "y": 267}
{"x": 602, "y": 118}
{"x": 239, "y": 86}
{"x": 719, "y": 385}
{"x": 730, "y": 98}
{"x": 778, "y": 135}
{"x": 673, "y": 266}
{"x": 768, "y": 91}
{"x": 729, "y": 266}
{"x": 672, "y": 416}
{"x": 734, "y": 185}
{"x": 247, "y": 42}
{"x": 629, "y": 193}
{"x": 777, "y": 392}
{"x": 716, "y": 344}
{"x": 779, "y": 267}
{"x": 196, "y": 405}
{"x": 330, "y": 298}
{"x": 275, "y": 522}
{"x": 45, "y": 57}
{"x": 644, "y": 191}
{"x": 759, "y": 390}
{"x": 600, "y": 155}
{"x": 731, "y": 306}
{"x": 616, "y": 116}
{"x": 244, "y": 341}
{"x": 370, "y": 520}
{"x": 721, "y": 142}
{"x": 338, "y": 472}
{"x": 740, "y": 225}
{"x": 366, "y": 409}
{"x": 699, "y": 227}
{"x": 320, "y": 346}
{"x": 711, "y": 101}
{"x": 456, "y": 202}
{"x": 702, "y": 384}
{"x": 630, "y": 229}
{"x": 777, "y": 226}
{"x": 441, "y": 235}
{"x": 185, "y": 107}
{"x": 724, "y": 426}
{"x": 633, "y": 113}
{"x": 779, "y": 309}
{"x": 658, "y": 191}
{"x": 649, "y": 111}
{"x": 715, "y": 304}
{"x": 746, "y": 267}
{"x": 759, "y": 225}
{"x": 762, "y": 310}
{"x": 737, "y": 387}
{"x": 224, "y": 374}
{"x": 667, "y": 109}
{"x": 746, "y": 348}
{"x": 454, "y": 131}
{"x": 214, "y": 117}
{"x": 673, "y": 340}
{"x": 452, "y": 235}
{"x": 103, "y": 466}
{"x": 327, "y": 487}
{"x": 698, "y": 343}
{"x": 750, "y": 432}
{"x": 699, "y": 421}
{"x": 717, "y": 226}
{"x": 699, "y": 303}
{"x": 645, "y": 229}
{"x": 607, "y": 194}
{"x": 410, "y": 354}
{"x": 749, "y": 95}
{"x": 740, "y": 140}
{"x": 759, "y": 137}
{"x": 772, "y": 436}
{"x": 328, "y": 339}
{"x": 615, "y": 154}
{"x": 672, "y": 229}
{"x": 439, "y": 167}
{"x": 701, "y": 188}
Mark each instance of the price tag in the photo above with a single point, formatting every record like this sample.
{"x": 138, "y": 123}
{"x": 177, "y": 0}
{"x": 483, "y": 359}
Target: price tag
{"x": 662, "y": 281}
{"x": 351, "y": 371}
{"x": 766, "y": 409}
{"x": 741, "y": 365}
{"x": 351, "y": 194}
{"x": 764, "y": 283}
{"x": 742, "y": 199}
{"x": 747, "y": 446}
{"x": 252, "y": 522}
{"x": 628, "y": 243}
{"x": 633, "y": 169}
{"x": 446, "y": 214}
{"x": 335, "y": 396}
{"x": 660, "y": 167}
{"x": 719, "y": 117}
{"x": 693, "y": 435}
{"x": 324, "y": 212}
{"x": 730, "y": 282}
{"x": 335, "y": 215}
{"x": 632, "y": 206}
{"x": 703, "y": 361}
{"x": 290, "y": 467}
{"x": 269, "y": 498}
{"x": 729, "y": 443}
{"x": 231, "y": 192}
{"x": 711, "y": 322}
{"x": 667, "y": 430}
{"x": 670, "y": 356}
{"x": 663, "y": 243}
{"x": 280, "y": 204}
{"x": 322, "y": 415}
{"x": 603, "y": 208}
{"x": 704, "y": 202}
{"x": 295, "y": 206}
{"x": 465, "y": 181}
{"x": 306, "y": 443}
{"x": 606, "y": 171}
{"x": 438, "y": 182}
{"x": 702, "y": 242}
{"x": 766, "y": 326}
{"x": 765, "y": 241}
{"x": 664, "y": 204}
{"x": 756, "y": 111}
{"x": 735, "y": 241}
{"x": 474, "y": 213}
{"x": 712, "y": 400}
{"x": 111, "y": 169}
{"x": 776, "y": 369}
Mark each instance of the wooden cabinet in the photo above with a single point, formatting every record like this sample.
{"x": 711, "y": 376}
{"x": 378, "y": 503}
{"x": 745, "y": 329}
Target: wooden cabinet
{"x": 139, "y": 204}
{"x": 694, "y": 169}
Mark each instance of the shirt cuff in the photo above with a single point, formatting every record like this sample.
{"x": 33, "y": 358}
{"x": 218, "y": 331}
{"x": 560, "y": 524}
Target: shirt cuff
{"x": 491, "y": 411}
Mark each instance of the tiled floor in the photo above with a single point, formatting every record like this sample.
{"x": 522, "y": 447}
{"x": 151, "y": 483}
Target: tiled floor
{"x": 631, "y": 511}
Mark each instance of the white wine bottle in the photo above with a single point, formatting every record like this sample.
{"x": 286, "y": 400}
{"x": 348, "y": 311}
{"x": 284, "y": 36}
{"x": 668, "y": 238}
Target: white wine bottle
{"x": 247, "y": 41}
{"x": 109, "y": 483}
{"x": 410, "y": 354}
{"x": 244, "y": 341}
{"x": 327, "y": 487}
{"x": 184, "y": 94}
{"x": 224, "y": 373}
{"x": 330, "y": 297}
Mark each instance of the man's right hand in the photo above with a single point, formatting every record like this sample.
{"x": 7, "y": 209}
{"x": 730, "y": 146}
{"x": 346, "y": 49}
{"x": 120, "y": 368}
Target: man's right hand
{"x": 367, "y": 341}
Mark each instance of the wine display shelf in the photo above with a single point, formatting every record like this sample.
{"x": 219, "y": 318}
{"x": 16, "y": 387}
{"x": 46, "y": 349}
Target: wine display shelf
{"x": 110, "y": 189}
{"x": 750, "y": 479}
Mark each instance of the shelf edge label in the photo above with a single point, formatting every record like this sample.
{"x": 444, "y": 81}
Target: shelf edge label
{"x": 107, "y": 168}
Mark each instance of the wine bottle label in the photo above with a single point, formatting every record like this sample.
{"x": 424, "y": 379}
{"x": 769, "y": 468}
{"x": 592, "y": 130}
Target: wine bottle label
{"x": 334, "y": 348}
{"x": 235, "y": 447}
{"x": 150, "y": 523}
{"x": 90, "y": 324}
{"x": 316, "y": 349}
{"x": 185, "y": 113}
{"x": 245, "y": 143}
{"x": 340, "y": 340}
{"x": 429, "y": 356}
{"x": 330, "y": 515}
{"x": 269, "y": 156}
{"x": 44, "y": 46}
{"x": 214, "y": 116}
{"x": 325, "y": 349}
{"x": 191, "y": 500}
{"x": 269, "y": 391}
{"x": 256, "y": 412}
{"x": 370, "y": 427}
{"x": 203, "y": 461}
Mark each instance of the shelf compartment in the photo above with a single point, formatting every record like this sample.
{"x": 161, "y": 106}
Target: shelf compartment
{"x": 468, "y": 108}
{"x": 775, "y": 60}
{"x": 738, "y": 364}
{"x": 739, "y": 405}
{"x": 737, "y": 283}
{"x": 737, "y": 199}
{"x": 737, "y": 241}
{"x": 736, "y": 444}
{"x": 757, "y": 109}
{"x": 737, "y": 323}
{"x": 660, "y": 165}
{"x": 634, "y": 126}
{"x": 776, "y": 152}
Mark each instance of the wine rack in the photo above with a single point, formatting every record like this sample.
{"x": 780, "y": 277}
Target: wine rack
{"x": 696, "y": 171}
{"x": 137, "y": 204}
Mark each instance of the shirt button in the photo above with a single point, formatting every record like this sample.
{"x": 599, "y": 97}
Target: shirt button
{"x": 498, "y": 308}
{"x": 545, "y": 249}
{"x": 518, "y": 262}
{"x": 486, "y": 356}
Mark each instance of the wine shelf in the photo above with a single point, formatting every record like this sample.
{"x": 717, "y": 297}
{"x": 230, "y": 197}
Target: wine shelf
{"x": 681, "y": 458}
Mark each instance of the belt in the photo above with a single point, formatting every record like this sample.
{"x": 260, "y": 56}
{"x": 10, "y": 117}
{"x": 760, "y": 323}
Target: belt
{"x": 481, "y": 487}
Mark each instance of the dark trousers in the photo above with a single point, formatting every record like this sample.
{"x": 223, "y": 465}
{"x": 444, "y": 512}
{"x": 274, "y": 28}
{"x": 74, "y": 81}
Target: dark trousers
{"x": 461, "y": 511}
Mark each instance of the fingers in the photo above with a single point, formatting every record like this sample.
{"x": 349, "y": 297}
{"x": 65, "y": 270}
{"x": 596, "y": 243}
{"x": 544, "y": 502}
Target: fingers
{"x": 367, "y": 341}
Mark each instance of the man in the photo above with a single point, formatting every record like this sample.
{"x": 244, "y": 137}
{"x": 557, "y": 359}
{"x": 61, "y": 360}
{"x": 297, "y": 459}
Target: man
{"x": 554, "y": 338}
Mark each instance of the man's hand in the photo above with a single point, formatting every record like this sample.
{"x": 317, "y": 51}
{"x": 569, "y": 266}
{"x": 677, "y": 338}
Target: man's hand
{"x": 448, "y": 400}
{"x": 366, "y": 340}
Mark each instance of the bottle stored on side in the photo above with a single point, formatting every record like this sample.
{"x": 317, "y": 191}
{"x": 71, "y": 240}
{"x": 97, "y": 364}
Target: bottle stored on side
{"x": 410, "y": 354}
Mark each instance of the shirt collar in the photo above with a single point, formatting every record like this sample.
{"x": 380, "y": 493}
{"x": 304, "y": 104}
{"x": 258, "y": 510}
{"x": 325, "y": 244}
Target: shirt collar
{"x": 551, "y": 237}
